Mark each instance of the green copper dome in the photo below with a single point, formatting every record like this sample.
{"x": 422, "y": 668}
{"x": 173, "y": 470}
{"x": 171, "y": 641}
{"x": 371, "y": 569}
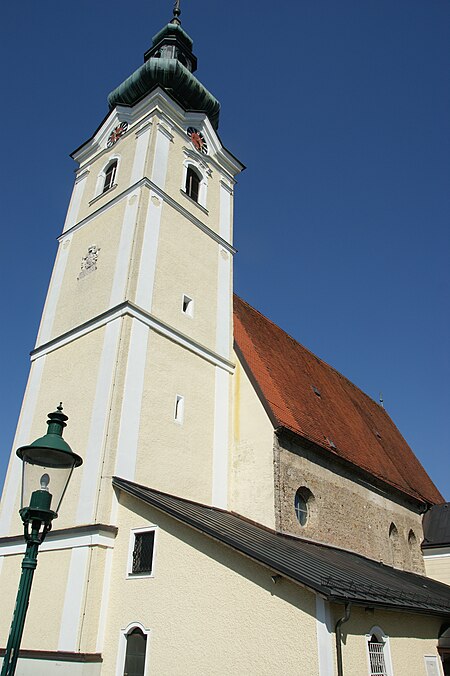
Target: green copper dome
{"x": 169, "y": 64}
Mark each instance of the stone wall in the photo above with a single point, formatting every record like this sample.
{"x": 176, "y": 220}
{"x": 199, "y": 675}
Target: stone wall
{"x": 343, "y": 510}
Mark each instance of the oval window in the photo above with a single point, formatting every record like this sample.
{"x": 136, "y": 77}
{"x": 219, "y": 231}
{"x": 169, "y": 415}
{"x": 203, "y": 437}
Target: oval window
{"x": 301, "y": 507}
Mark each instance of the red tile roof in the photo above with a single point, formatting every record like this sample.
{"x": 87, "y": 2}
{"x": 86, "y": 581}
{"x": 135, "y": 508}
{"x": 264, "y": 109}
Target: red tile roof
{"x": 339, "y": 417}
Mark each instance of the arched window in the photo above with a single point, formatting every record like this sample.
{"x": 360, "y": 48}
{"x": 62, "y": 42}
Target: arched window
{"x": 192, "y": 186}
{"x": 376, "y": 657}
{"x": 135, "y": 653}
{"x": 378, "y": 653}
{"x": 414, "y": 551}
{"x": 110, "y": 175}
{"x": 394, "y": 540}
{"x": 302, "y": 503}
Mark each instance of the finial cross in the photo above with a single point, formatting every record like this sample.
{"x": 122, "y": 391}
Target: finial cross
{"x": 176, "y": 9}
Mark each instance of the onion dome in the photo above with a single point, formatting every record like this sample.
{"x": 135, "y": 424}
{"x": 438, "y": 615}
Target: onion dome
{"x": 169, "y": 64}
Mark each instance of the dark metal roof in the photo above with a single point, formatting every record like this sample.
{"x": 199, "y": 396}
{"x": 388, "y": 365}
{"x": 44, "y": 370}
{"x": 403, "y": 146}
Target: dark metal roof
{"x": 337, "y": 574}
{"x": 436, "y": 526}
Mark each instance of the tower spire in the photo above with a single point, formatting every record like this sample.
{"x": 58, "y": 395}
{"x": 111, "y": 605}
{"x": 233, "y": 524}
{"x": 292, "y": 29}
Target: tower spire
{"x": 176, "y": 13}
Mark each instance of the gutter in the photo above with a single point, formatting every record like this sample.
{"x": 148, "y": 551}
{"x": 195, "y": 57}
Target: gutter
{"x": 339, "y": 623}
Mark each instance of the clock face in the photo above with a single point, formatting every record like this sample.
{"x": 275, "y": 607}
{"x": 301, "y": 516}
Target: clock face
{"x": 116, "y": 134}
{"x": 198, "y": 140}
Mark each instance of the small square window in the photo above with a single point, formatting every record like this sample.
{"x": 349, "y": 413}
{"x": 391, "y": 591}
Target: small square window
{"x": 142, "y": 554}
{"x": 187, "y": 306}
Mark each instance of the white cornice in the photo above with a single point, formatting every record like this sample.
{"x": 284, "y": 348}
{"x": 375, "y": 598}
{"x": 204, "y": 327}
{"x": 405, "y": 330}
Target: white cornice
{"x": 129, "y": 309}
{"x": 147, "y": 183}
{"x": 79, "y": 537}
{"x": 162, "y": 105}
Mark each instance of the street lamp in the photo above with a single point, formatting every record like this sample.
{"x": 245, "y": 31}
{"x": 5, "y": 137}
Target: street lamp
{"x": 48, "y": 464}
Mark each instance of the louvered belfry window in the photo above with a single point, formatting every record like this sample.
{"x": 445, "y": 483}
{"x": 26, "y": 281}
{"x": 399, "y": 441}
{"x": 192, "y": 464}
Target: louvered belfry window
{"x": 376, "y": 656}
{"x": 143, "y": 552}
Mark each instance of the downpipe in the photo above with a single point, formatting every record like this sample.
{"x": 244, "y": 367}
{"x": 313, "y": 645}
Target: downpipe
{"x": 338, "y": 632}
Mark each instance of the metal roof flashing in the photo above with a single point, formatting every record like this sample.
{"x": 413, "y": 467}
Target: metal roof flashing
{"x": 338, "y": 575}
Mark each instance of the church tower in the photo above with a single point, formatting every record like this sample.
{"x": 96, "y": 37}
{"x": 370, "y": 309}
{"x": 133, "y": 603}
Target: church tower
{"x": 136, "y": 333}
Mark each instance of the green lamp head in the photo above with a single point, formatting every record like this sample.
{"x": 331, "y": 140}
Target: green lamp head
{"x": 48, "y": 464}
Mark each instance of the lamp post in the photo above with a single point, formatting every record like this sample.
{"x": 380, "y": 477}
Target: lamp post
{"x": 48, "y": 464}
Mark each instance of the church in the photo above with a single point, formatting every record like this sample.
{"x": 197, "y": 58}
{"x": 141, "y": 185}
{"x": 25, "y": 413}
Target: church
{"x": 242, "y": 507}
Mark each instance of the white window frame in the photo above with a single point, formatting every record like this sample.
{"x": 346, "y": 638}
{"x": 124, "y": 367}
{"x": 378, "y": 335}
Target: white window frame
{"x": 203, "y": 186}
{"x": 136, "y": 531}
{"x": 122, "y": 648}
{"x": 102, "y": 175}
{"x": 432, "y": 660}
{"x": 190, "y": 309}
{"x": 382, "y": 638}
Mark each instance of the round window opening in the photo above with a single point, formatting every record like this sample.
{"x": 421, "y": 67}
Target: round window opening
{"x": 301, "y": 505}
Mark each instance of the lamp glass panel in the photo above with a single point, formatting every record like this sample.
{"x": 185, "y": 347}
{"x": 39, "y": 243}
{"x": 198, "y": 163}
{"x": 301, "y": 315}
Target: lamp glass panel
{"x": 39, "y": 477}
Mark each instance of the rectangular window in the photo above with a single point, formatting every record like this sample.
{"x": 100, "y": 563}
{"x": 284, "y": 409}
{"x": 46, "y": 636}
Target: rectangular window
{"x": 187, "y": 306}
{"x": 142, "y": 556}
{"x": 179, "y": 409}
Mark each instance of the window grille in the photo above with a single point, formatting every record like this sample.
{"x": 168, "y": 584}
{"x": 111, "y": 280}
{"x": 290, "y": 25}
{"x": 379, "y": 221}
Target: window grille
{"x": 377, "y": 661}
{"x": 143, "y": 552}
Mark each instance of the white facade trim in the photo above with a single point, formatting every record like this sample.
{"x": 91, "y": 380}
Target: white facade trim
{"x": 80, "y": 539}
{"x": 226, "y": 197}
{"x": 147, "y": 265}
{"x": 144, "y": 126}
{"x": 130, "y": 418}
{"x": 221, "y": 439}
{"x": 123, "y": 259}
{"x": 165, "y": 108}
{"x": 123, "y": 646}
{"x": 324, "y": 637}
{"x": 142, "y": 144}
{"x": 145, "y": 182}
{"x": 224, "y": 294}
{"x": 161, "y": 157}
{"x": 49, "y": 312}
{"x": 106, "y": 591}
{"x": 73, "y": 601}
{"x": 128, "y": 309}
{"x": 23, "y": 433}
{"x": 75, "y": 200}
{"x": 98, "y": 427}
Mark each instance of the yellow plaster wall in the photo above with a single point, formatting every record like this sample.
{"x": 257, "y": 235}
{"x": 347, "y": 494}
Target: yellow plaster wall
{"x": 46, "y": 599}
{"x": 252, "y": 477}
{"x": 187, "y": 263}
{"x": 82, "y": 299}
{"x": 438, "y": 567}
{"x": 173, "y": 457}
{"x": 209, "y": 610}
{"x": 411, "y": 637}
{"x": 69, "y": 374}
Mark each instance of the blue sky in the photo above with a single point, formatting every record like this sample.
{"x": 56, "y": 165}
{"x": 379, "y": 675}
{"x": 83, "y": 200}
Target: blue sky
{"x": 340, "y": 110}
